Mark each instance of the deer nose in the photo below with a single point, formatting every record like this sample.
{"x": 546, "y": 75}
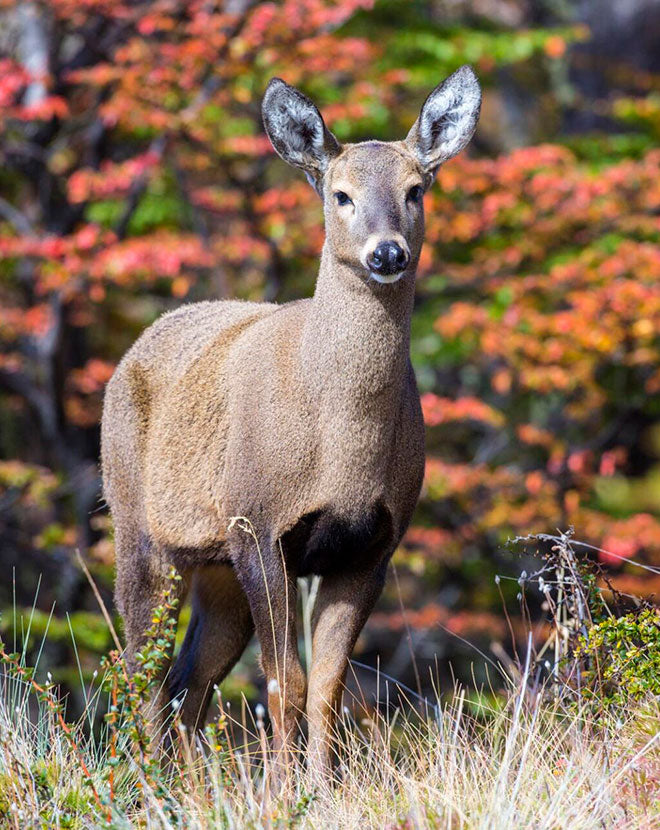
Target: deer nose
{"x": 388, "y": 258}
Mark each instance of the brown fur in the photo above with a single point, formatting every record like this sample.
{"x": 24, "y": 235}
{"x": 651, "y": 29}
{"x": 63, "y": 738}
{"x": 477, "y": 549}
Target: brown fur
{"x": 303, "y": 418}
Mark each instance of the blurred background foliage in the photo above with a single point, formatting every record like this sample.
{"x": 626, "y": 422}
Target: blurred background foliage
{"x": 135, "y": 175}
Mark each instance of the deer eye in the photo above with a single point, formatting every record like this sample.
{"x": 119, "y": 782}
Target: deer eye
{"x": 343, "y": 198}
{"x": 415, "y": 194}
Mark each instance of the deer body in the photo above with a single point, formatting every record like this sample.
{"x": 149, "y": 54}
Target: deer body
{"x": 304, "y": 418}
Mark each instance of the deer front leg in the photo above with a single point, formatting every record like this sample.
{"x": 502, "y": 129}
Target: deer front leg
{"x": 343, "y": 603}
{"x": 271, "y": 594}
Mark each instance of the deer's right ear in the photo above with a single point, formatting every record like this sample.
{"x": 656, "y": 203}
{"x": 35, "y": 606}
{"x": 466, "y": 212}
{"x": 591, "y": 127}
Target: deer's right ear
{"x": 297, "y": 131}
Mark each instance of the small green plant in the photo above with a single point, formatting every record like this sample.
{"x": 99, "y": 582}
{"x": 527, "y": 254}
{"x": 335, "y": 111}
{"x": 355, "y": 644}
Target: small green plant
{"x": 626, "y": 650}
{"x": 131, "y": 736}
{"x": 47, "y": 696}
{"x": 599, "y": 654}
{"x": 130, "y": 732}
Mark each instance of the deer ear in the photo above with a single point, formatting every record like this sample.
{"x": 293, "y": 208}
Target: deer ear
{"x": 447, "y": 121}
{"x": 297, "y": 131}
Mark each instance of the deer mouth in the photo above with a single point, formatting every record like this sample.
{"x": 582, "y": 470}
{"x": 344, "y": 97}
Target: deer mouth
{"x": 386, "y": 279}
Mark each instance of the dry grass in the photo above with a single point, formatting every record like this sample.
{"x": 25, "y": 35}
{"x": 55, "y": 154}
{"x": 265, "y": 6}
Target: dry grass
{"x": 526, "y": 764}
{"x": 527, "y": 757}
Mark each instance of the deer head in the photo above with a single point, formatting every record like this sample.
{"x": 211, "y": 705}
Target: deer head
{"x": 373, "y": 191}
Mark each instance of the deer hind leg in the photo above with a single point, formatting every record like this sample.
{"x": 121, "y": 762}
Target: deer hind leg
{"x": 220, "y": 628}
{"x": 271, "y": 592}
{"x": 142, "y": 579}
{"x": 343, "y": 603}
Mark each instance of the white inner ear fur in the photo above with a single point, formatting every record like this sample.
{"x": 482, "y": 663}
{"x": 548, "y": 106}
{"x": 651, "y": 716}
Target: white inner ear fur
{"x": 448, "y": 118}
{"x": 300, "y": 130}
{"x": 447, "y": 122}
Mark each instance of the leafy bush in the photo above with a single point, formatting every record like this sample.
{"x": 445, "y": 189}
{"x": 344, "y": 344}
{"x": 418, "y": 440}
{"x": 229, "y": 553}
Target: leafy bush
{"x": 625, "y": 653}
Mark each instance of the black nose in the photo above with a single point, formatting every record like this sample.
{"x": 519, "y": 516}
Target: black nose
{"x": 388, "y": 258}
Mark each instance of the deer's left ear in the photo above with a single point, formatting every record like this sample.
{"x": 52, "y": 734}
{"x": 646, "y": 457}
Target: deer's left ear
{"x": 447, "y": 121}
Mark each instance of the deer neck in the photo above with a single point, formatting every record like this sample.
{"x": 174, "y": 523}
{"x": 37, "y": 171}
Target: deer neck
{"x": 356, "y": 340}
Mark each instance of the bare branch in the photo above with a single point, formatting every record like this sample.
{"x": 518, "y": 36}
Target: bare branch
{"x": 32, "y": 51}
{"x": 14, "y": 216}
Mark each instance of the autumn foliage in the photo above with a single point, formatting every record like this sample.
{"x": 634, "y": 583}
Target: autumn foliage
{"x": 135, "y": 175}
{"x": 550, "y": 332}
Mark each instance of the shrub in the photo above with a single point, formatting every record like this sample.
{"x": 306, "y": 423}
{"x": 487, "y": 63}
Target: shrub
{"x": 626, "y": 654}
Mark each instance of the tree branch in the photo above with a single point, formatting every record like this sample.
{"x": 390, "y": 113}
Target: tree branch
{"x": 32, "y": 51}
{"x": 14, "y": 216}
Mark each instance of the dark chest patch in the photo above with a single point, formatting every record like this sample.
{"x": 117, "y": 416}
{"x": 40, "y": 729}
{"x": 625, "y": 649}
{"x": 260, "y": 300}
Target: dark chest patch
{"x": 324, "y": 543}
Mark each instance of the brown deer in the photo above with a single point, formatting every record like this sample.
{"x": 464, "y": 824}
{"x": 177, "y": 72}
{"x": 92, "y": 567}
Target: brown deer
{"x": 303, "y": 417}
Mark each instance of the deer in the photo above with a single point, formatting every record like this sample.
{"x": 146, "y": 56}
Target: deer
{"x": 303, "y": 419}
